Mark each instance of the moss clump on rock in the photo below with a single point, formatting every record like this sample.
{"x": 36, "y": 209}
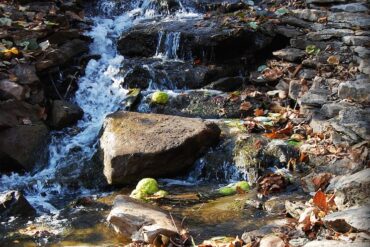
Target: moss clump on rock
{"x": 160, "y": 98}
{"x": 231, "y": 189}
{"x": 147, "y": 187}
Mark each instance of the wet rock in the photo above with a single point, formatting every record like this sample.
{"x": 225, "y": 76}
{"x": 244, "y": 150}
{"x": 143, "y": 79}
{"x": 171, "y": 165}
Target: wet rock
{"x": 204, "y": 39}
{"x": 335, "y": 243}
{"x": 138, "y": 145}
{"x": 9, "y": 90}
{"x": 21, "y": 146}
{"x": 358, "y": 90}
{"x": 290, "y": 54}
{"x": 313, "y": 181}
{"x": 357, "y": 40}
{"x": 140, "y": 221}
{"x": 64, "y": 114}
{"x": 295, "y": 208}
{"x": 272, "y": 241}
{"x": 307, "y": 74}
{"x": 352, "y": 190}
{"x": 26, "y": 74}
{"x": 204, "y": 104}
{"x": 227, "y": 84}
{"x": 355, "y": 219}
{"x": 62, "y": 55}
{"x": 13, "y": 203}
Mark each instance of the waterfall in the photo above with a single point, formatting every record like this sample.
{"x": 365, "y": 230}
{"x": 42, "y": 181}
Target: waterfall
{"x": 99, "y": 94}
{"x": 168, "y": 50}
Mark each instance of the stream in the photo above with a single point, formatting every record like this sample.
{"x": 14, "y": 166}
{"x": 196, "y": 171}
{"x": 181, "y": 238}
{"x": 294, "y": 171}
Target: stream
{"x": 53, "y": 186}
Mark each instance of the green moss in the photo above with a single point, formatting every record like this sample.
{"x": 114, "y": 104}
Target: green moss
{"x": 146, "y": 187}
{"x": 231, "y": 189}
{"x": 160, "y": 98}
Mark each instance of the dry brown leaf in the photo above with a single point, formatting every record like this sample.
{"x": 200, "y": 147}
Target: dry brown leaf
{"x": 259, "y": 112}
{"x": 245, "y": 106}
{"x": 319, "y": 200}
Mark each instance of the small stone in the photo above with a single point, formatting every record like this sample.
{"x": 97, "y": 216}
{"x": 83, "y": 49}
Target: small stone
{"x": 26, "y": 74}
{"x": 290, "y": 54}
{"x": 272, "y": 241}
{"x": 295, "y": 89}
{"x": 335, "y": 243}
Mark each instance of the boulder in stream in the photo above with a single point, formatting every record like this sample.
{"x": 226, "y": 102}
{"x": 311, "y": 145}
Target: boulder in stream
{"x": 140, "y": 221}
{"x": 137, "y": 145}
{"x": 64, "y": 114}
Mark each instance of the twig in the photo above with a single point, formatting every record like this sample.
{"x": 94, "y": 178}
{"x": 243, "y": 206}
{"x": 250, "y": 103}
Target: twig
{"x": 55, "y": 87}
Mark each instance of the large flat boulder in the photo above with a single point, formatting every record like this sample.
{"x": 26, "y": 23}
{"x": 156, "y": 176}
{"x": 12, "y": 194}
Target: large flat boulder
{"x": 137, "y": 145}
{"x": 140, "y": 221}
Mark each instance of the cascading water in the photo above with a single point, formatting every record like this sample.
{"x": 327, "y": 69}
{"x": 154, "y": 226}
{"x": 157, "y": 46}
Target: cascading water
{"x": 99, "y": 94}
{"x": 168, "y": 50}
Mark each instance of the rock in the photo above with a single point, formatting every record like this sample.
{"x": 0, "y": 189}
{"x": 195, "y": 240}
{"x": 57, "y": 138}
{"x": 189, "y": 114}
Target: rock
{"x": 64, "y": 114}
{"x": 332, "y": 109}
{"x": 13, "y": 113}
{"x": 352, "y": 190}
{"x": 138, "y": 145}
{"x": 26, "y": 74}
{"x": 313, "y": 181}
{"x": 62, "y": 55}
{"x": 227, "y": 84}
{"x": 350, "y": 7}
{"x": 290, "y": 54}
{"x": 9, "y": 89}
{"x": 358, "y": 90}
{"x": 298, "y": 242}
{"x": 350, "y": 20}
{"x": 325, "y": 1}
{"x": 196, "y": 103}
{"x": 13, "y": 203}
{"x": 205, "y": 39}
{"x": 140, "y": 221}
{"x": 21, "y": 146}
{"x": 142, "y": 72}
{"x": 354, "y": 219}
{"x": 295, "y": 89}
{"x": 278, "y": 151}
{"x": 335, "y": 243}
{"x": 328, "y": 34}
{"x": 314, "y": 98}
{"x": 295, "y": 208}
{"x": 272, "y": 241}
{"x": 354, "y": 122}
{"x": 307, "y": 74}
{"x": 357, "y": 40}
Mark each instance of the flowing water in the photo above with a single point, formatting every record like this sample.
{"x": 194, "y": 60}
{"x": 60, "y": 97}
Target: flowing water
{"x": 99, "y": 94}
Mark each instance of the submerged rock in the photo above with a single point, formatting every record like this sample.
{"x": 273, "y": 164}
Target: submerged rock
{"x": 138, "y": 145}
{"x": 141, "y": 222}
{"x": 13, "y": 203}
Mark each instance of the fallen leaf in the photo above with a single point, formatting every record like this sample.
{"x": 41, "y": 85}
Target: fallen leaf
{"x": 319, "y": 200}
{"x": 245, "y": 106}
{"x": 272, "y": 74}
{"x": 259, "y": 112}
{"x": 334, "y": 60}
